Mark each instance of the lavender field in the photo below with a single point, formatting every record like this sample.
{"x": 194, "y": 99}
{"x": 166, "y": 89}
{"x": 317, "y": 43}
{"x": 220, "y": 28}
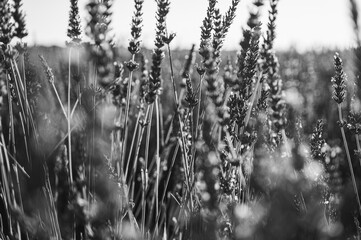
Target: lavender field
{"x": 101, "y": 140}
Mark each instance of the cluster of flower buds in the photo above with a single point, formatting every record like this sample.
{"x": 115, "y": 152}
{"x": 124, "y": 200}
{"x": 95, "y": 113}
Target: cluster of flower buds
{"x": 101, "y": 49}
{"x": 154, "y": 85}
{"x": 136, "y": 29}
{"x": 338, "y": 81}
{"x": 74, "y": 28}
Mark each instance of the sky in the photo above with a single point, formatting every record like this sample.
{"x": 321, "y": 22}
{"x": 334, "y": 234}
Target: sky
{"x": 302, "y": 24}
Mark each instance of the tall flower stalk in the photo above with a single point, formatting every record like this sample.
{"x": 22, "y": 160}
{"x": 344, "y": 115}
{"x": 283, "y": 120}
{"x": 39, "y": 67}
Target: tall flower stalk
{"x": 270, "y": 70}
{"x": 339, "y": 86}
{"x": 154, "y": 90}
{"x": 134, "y": 48}
{"x": 221, "y": 28}
{"x": 74, "y": 31}
{"x": 154, "y": 86}
{"x": 74, "y": 27}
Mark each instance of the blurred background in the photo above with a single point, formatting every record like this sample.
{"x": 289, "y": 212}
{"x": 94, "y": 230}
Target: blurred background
{"x": 304, "y": 25}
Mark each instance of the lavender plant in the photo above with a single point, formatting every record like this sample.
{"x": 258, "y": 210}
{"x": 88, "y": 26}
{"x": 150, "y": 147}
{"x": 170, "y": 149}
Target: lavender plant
{"x": 106, "y": 155}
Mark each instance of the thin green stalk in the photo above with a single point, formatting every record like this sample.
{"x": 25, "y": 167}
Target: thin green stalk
{"x": 144, "y": 175}
{"x": 75, "y": 105}
{"x": 170, "y": 130}
{"x": 78, "y": 68}
{"x": 118, "y": 140}
{"x": 11, "y": 114}
{"x": 131, "y": 148}
{"x": 162, "y": 141}
{"x": 125, "y": 138}
{"x": 157, "y": 157}
{"x": 147, "y": 142}
{"x": 198, "y": 106}
{"x": 348, "y": 157}
{"x": 25, "y": 139}
{"x": 22, "y": 59}
{"x": 112, "y": 143}
{"x": 172, "y": 77}
{"x": 69, "y": 122}
{"x": 23, "y": 73}
{"x": 139, "y": 142}
{"x": 193, "y": 152}
{"x": 59, "y": 100}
